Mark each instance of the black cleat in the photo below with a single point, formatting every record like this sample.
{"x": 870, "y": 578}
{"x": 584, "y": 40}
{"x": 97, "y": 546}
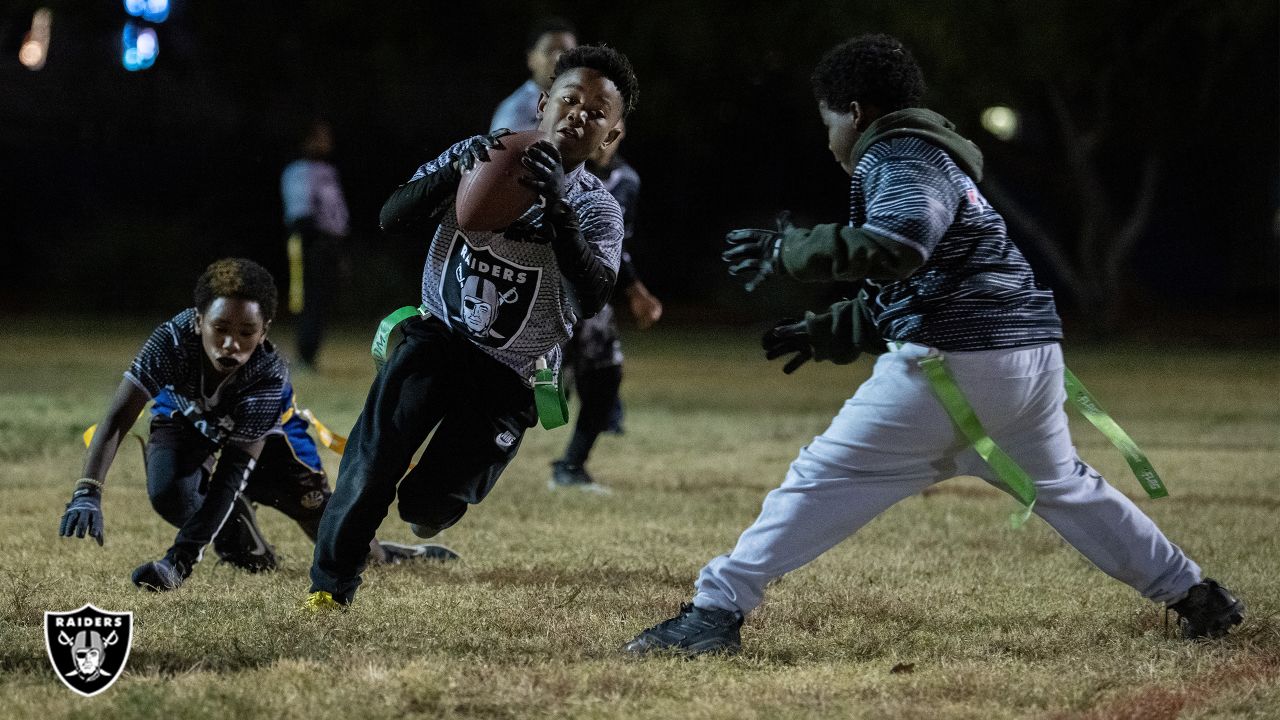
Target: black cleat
{"x": 396, "y": 553}
{"x": 240, "y": 543}
{"x": 1208, "y": 611}
{"x": 566, "y": 475}
{"x": 161, "y": 575}
{"x": 695, "y": 631}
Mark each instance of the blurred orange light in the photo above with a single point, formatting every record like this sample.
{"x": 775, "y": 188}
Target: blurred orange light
{"x": 31, "y": 54}
{"x": 35, "y": 46}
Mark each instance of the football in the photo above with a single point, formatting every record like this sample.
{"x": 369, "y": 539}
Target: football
{"x": 490, "y": 196}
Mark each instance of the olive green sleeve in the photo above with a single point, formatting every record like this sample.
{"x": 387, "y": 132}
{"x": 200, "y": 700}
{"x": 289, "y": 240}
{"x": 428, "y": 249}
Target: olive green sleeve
{"x": 846, "y": 330}
{"x": 839, "y": 252}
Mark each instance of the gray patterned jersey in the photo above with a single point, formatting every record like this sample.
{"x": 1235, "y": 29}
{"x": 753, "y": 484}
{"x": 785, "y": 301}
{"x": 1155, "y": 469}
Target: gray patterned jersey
{"x": 975, "y": 291}
{"x": 504, "y": 292}
{"x": 243, "y": 407}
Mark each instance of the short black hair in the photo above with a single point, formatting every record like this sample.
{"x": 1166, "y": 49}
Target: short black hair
{"x": 237, "y": 278}
{"x": 608, "y": 62}
{"x": 548, "y": 26}
{"x": 875, "y": 69}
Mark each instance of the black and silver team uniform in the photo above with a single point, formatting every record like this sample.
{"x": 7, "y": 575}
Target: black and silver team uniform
{"x": 496, "y": 303}
{"x": 190, "y": 483}
{"x": 594, "y": 355}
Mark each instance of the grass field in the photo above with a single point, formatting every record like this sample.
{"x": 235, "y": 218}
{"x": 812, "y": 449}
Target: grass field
{"x": 980, "y": 621}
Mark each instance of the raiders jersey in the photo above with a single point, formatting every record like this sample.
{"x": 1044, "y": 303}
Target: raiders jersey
{"x": 504, "y": 292}
{"x": 243, "y": 407}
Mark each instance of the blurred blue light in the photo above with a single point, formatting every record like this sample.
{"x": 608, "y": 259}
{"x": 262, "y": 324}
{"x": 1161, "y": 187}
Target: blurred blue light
{"x": 156, "y": 11}
{"x": 139, "y": 47}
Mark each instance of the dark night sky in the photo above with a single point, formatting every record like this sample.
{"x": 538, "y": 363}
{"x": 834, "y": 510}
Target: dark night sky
{"x": 120, "y": 186}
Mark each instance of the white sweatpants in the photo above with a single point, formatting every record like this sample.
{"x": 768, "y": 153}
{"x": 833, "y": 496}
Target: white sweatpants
{"x": 893, "y": 438}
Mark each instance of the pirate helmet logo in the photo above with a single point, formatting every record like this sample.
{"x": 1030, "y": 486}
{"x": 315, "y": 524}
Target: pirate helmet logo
{"x": 88, "y": 647}
{"x": 480, "y": 304}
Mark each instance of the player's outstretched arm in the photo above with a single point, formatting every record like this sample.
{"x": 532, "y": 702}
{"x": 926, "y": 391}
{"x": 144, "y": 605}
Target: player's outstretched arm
{"x": 235, "y": 464}
{"x": 84, "y": 512}
{"x": 839, "y": 252}
{"x": 421, "y": 201}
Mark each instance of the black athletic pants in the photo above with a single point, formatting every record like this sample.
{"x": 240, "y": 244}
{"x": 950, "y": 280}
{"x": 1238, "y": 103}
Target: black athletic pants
{"x": 320, "y": 258}
{"x": 192, "y": 486}
{"x": 598, "y": 392}
{"x": 432, "y": 378}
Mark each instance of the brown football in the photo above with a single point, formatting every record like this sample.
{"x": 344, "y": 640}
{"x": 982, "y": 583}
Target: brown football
{"x": 490, "y": 196}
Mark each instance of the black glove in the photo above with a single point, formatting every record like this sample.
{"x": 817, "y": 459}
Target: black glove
{"x": 788, "y": 336}
{"x": 478, "y": 149}
{"x": 546, "y": 173}
{"x": 754, "y": 253}
{"x": 84, "y": 514}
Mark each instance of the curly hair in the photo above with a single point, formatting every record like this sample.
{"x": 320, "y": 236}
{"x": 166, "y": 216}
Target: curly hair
{"x": 237, "y": 278}
{"x": 608, "y": 62}
{"x": 874, "y": 69}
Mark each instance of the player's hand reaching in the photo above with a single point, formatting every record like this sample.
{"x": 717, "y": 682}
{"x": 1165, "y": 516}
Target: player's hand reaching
{"x": 84, "y": 515}
{"x": 788, "y": 336}
{"x": 478, "y": 149}
{"x": 755, "y": 253}
{"x": 546, "y": 172}
{"x": 645, "y": 308}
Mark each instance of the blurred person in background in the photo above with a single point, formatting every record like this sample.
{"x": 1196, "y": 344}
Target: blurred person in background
{"x": 315, "y": 214}
{"x": 547, "y": 40}
{"x": 595, "y": 352}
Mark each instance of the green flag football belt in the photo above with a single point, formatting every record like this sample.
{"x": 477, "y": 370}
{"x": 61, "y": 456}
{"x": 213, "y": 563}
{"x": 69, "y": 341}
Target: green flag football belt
{"x": 548, "y": 390}
{"x": 1005, "y": 468}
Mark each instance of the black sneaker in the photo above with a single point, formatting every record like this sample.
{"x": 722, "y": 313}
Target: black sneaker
{"x": 396, "y": 553}
{"x": 240, "y": 543}
{"x": 694, "y": 631}
{"x": 567, "y": 475}
{"x": 1208, "y": 611}
{"x": 161, "y": 575}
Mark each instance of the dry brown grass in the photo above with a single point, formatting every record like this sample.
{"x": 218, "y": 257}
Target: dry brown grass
{"x": 993, "y": 623}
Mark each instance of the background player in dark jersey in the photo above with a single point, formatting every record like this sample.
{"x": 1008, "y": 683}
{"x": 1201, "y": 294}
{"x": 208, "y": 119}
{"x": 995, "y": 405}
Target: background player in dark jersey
{"x": 595, "y": 352}
{"x": 547, "y": 39}
{"x": 494, "y": 305}
{"x": 945, "y": 283}
{"x": 224, "y": 432}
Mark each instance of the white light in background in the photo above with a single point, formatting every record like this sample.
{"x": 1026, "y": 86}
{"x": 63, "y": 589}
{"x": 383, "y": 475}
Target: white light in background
{"x": 1001, "y": 121}
{"x": 35, "y": 46}
{"x": 157, "y": 11}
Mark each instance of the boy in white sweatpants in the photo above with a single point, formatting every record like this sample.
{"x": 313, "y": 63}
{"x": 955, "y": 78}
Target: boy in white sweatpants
{"x": 943, "y": 280}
